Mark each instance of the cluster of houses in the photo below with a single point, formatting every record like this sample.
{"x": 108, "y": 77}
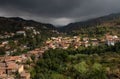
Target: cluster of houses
{"x": 8, "y": 50}
{"x": 12, "y": 67}
{"x": 76, "y": 41}
{"x": 19, "y": 32}
{"x": 112, "y": 40}
{"x": 6, "y": 35}
{"x": 4, "y": 43}
{"x": 60, "y": 42}
{"x": 38, "y": 52}
{"x": 23, "y": 32}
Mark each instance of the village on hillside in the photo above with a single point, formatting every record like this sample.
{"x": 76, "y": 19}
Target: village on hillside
{"x": 12, "y": 66}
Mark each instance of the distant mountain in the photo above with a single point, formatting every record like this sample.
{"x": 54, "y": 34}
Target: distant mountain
{"x": 14, "y": 24}
{"x": 101, "y": 25}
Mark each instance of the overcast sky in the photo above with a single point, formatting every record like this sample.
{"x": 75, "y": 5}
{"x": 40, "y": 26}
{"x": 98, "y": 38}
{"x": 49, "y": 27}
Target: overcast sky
{"x": 58, "y": 12}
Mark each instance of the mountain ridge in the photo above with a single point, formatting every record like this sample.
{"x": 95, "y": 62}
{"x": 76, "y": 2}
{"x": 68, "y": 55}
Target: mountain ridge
{"x": 108, "y": 20}
{"x": 105, "y": 21}
{"x": 17, "y": 21}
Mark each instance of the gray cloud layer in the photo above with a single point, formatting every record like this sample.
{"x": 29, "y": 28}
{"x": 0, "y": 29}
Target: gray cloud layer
{"x": 58, "y": 12}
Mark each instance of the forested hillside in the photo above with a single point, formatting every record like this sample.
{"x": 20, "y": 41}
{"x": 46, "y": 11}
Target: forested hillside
{"x": 15, "y": 24}
{"x": 84, "y": 63}
{"x": 93, "y": 27}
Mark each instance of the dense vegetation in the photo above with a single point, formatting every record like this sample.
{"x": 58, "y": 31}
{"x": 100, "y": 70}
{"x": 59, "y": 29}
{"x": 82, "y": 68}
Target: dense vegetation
{"x": 84, "y": 63}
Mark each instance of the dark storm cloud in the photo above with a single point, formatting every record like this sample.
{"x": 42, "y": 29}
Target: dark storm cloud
{"x": 54, "y": 8}
{"x": 58, "y": 12}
